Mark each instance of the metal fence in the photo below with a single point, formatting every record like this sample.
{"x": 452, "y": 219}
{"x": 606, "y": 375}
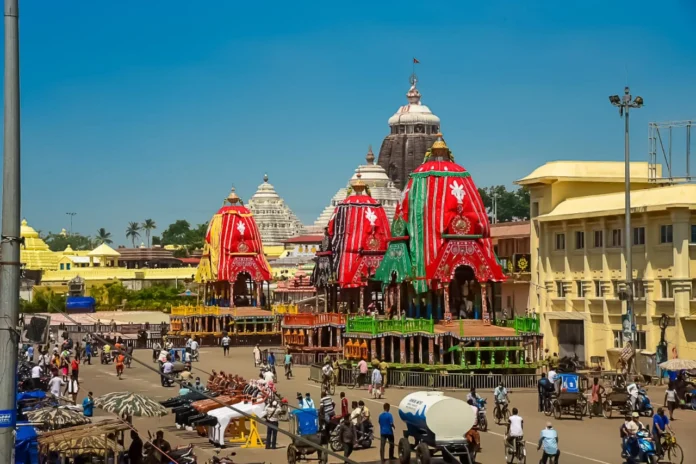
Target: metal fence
{"x": 438, "y": 380}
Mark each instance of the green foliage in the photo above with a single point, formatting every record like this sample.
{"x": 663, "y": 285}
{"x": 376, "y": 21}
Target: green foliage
{"x": 148, "y": 226}
{"x": 103, "y": 236}
{"x": 58, "y": 242}
{"x": 156, "y": 240}
{"x": 133, "y": 231}
{"x": 181, "y": 233}
{"x": 157, "y": 297}
{"x": 512, "y": 205}
{"x": 43, "y": 301}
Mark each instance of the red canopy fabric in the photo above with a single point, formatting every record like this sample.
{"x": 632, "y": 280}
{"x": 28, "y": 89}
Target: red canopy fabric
{"x": 359, "y": 232}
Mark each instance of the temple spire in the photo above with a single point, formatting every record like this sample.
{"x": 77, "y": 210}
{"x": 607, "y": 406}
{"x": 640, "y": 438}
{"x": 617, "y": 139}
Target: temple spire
{"x": 358, "y": 184}
{"x": 232, "y": 198}
{"x": 370, "y": 158}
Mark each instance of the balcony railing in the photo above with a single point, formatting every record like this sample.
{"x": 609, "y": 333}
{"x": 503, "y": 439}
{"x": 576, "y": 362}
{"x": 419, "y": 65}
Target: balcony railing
{"x": 195, "y": 311}
{"x": 314, "y": 319}
{"x": 366, "y": 324}
{"x": 521, "y": 324}
{"x": 280, "y": 309}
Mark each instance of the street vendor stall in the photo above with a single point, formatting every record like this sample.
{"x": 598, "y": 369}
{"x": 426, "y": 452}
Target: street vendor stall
{"x": 99, "y": 441}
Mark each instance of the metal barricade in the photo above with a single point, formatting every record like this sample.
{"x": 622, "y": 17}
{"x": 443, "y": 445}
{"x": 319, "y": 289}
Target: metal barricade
{"x": 315, "y": 373}
{"x": 517, "y": 381}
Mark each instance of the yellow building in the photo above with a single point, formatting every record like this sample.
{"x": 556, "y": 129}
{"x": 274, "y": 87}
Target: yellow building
{"x": 578, "y": 258}
{"x": 96, "y": 267}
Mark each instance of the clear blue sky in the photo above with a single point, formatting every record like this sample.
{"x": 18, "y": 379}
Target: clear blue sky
{"x": 153, "y": 109}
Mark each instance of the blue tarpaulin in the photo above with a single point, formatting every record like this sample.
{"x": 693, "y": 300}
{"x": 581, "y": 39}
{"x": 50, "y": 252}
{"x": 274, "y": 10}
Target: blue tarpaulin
{"x": 31, "y": 395}
{"x": 26, "y": 445}
{"x": 80, "y": 304}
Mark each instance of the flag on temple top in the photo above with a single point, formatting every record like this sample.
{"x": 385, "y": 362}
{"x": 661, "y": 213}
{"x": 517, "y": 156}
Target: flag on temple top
{"x": 415, "y": 61}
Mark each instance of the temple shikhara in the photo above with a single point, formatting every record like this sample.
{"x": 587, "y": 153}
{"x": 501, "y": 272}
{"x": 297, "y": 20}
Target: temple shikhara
{"x": 404, "y": 268}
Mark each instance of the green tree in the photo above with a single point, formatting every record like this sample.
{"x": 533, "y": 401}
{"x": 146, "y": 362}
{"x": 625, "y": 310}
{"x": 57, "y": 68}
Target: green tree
{"x": 512, "y": 205}
{"x": 176, "y": 233}
{"x": 156, "y": 240}
{"x": 59, "y": 242}
{"x": 133, "y": 231}
{"x": 103, "y": 236}
{"x": 98, "y": 292}
{"x": 148, "y": 226}
{"x": 44, "y": 300}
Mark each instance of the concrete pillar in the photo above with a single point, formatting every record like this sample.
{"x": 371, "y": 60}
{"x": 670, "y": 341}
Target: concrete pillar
{"x": 383, "y": 354}
{"x": 681, "y": 281}
{"x": 431, "y": 350}
{"x": 402, "y": 350}
{"x": 373, "y": 349}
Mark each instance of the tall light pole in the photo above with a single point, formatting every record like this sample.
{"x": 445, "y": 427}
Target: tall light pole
{"x": 625, "y": 104}
{"x": 10, "y": 265}
{"x": 71, "y": 216}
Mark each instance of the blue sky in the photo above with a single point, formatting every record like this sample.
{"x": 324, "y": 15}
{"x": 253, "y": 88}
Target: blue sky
{"x": 135, "y": 110}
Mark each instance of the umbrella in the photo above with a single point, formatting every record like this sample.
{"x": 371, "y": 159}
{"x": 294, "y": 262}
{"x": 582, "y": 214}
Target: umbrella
{"x": 57, "y": 418}
{"x": 86, "y": 445}
{"x": 678, "y": 365}
{"x": 130, "y": 404}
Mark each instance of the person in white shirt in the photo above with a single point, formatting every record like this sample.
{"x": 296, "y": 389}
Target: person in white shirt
{"x": 72, "y": 389}
{"x": 54, "y": 385}
{"x": 188, "y": 342}
{"x": 268, "y": 376}
{"x": 36, "y": 372}
{"x": 225, "y": 342}
{"x": 515, "y": 428}
{"x": 551, "y": 376}
{"x": 327, "y": 371}
{"x": 257, "y": 355}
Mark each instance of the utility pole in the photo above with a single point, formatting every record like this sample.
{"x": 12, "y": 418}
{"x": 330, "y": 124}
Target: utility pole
{"x": 625, "y": 104}
{"x": 71, "y": 217}
{"x": 10, "y": 266}
{"x": 495, "y": 208}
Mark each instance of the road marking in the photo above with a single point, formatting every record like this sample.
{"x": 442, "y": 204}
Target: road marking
{"x": 562, "y": 451}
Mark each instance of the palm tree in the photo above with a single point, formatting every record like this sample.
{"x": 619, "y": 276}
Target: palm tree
{"x": 133, "y": 231}
{"x": 148, "y": 226}
{"x": 104, "y": 237}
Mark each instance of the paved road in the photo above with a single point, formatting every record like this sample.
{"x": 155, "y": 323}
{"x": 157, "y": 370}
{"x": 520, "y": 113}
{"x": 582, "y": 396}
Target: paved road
{"x": 590, "y": 441}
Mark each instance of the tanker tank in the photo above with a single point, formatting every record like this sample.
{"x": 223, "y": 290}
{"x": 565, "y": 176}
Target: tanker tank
{"x": 444, "y": 418}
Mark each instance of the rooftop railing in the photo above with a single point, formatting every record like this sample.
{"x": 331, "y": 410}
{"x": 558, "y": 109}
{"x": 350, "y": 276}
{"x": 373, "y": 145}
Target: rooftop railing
{"x": 366, "y": 324}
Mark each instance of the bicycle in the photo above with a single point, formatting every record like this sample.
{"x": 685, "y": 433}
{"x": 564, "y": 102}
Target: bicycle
{"x": 672, "y": 449}
{"x": 328, "y": 386}
{"x": 547, "y": 406}
{"x": 519, "y": 451}
{"x": 501, "y": 416}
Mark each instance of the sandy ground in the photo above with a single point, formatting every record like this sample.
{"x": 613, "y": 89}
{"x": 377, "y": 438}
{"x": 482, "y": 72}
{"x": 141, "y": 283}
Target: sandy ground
{"x": 590, "y": 441}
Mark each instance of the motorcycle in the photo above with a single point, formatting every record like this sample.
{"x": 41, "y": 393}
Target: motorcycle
{"x": 365, "y": 438}
{"x": 569, "y": 365}
{"x": 482, "y": 420}
{"x": 642, "y": 450}
{"x": 643, "y": 405}
{"x": 222, "y": 460}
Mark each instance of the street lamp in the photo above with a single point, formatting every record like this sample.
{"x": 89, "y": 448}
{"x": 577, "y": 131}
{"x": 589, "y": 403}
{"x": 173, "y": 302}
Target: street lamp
{"x": 71, "y": 217}
{"x": 625, "y": 104}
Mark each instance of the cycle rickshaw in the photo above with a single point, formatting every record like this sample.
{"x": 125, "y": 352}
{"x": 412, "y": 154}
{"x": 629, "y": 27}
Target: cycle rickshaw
{"x": 305, "y": 423}
{"x": 569, "y": 398}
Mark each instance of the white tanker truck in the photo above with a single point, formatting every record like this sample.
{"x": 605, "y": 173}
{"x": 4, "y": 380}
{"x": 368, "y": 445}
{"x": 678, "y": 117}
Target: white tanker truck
{"x": 437, "y": 424}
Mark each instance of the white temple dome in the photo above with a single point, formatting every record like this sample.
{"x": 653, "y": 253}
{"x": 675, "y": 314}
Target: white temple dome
{"x": 415, "y": 112}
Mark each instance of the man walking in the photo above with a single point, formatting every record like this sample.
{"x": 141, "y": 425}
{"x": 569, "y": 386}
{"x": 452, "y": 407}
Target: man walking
{"x": 386, "y": 432}
{"x": 225, "y": 342}
{"x": 549, "y": 441}
{"x": 272, "y": 417}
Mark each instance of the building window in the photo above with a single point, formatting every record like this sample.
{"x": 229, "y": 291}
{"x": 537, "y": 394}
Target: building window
{"x": 641, "y": 339}
{"x": 666, "y": 289}
{"x": 580, "y": 289}
{"x": 616, "y": 237}
{"x": 598, "y": 289}
{"x": 638, "y": 289}
{"x": 67, "y": 266}
{"x": 598, "y": 239}
{"x": 693, "y": 233}
{"x": 666, "y": 233}
{"x": 639, "y": 236}
{"x": 560, "y": 241}
{"x": 62, "y": 266}
{"x": 579, "y": 240}
{"x": 616, "y": 287}
{"x": 560, "y": 290}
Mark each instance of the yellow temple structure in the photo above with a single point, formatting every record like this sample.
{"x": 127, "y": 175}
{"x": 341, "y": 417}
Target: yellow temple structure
{"x": 97, "y": 267}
